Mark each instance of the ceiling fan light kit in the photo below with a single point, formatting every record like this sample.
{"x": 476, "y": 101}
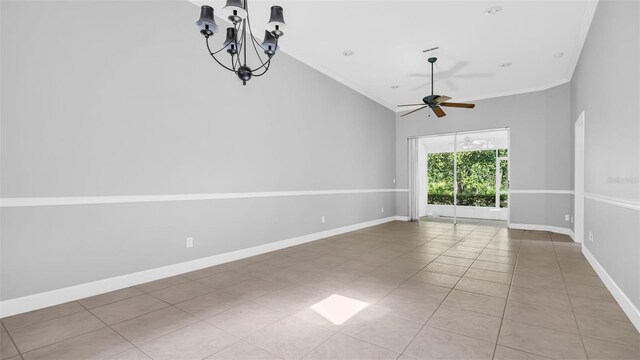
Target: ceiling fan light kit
{"x": 240, "y": 39}
{"x": 435, "y": 102}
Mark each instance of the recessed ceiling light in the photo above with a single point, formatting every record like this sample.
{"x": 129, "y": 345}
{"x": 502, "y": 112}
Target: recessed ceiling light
{"x": 347, "y": 52}
{"x": 507, "y": 64}
{"x": 558, "y": 55}
{"x": 493, "y": 10}
{"x": 395, "y": 86}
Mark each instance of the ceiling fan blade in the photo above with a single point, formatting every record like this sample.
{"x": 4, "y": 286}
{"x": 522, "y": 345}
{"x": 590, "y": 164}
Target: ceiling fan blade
{"x": 411, "y": 105}
{"x": 420, "y": 86}
{"x": 411, "y": 112}
{"x": 473, "y": 76}
{"x": 451, "y": 84}
{"x": 458, "y": 105}
{"x": 442, "y": 98}
{"x": 438, "y": 111}
{"x": 455, "y": 68}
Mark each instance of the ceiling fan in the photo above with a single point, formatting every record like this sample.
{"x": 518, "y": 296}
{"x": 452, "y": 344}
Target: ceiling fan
{"x": 448, "y": 76}
{"x": 436, "y": 101}
{"x": 469, "y": 143}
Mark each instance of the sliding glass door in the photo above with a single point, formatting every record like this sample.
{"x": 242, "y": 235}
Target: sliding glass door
{"x": 465, "y": 176}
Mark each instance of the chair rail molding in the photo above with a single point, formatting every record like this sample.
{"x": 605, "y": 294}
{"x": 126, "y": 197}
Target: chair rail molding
{"x": 567, "y": 192}
{"x": 625, "y": 203}
{"x": 121, "y": 199}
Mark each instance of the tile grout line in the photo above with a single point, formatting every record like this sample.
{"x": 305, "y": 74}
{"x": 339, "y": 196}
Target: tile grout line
{"x": 380, "y": 244}
{"x": 112, "y": 329}
{"x": 338, "y": 331}
{"x": 575, "y": 318}
{"x": 11, "y": 338}
{"x": 348, "y": 321}
{"x": 134, "y": 346}
{"x": 506, "y": 301}
{"x": 450, "y": 290}
{"x": 59, "y": 341}
{"x": 130, "y": 297}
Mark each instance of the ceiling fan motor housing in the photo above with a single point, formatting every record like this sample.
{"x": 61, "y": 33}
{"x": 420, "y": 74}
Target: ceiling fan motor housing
{"x": 430, "y": 100}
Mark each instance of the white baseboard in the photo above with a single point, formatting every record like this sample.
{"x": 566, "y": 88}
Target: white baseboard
{"x": 402, "y": 218}
{"x": 627, "y": 306}
{"x": 555, "y": 229}
{"x": 71, "y": 293}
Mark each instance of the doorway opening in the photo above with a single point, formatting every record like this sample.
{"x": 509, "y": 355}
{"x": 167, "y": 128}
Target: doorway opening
{"x": 464, "y": 177}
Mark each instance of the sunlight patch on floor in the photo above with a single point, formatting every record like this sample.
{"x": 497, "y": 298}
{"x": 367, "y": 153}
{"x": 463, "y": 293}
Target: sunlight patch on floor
{"x": 338, "y": 309}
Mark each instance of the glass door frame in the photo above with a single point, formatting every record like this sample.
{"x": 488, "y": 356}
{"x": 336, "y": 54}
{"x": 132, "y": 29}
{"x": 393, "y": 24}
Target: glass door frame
{"x": 499, "y": 191}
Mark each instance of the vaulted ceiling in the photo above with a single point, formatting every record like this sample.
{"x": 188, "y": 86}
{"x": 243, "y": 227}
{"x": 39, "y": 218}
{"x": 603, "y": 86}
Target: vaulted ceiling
{"x": 540, "y": 41}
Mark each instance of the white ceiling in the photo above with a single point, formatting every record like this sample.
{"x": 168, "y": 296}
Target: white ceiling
{"x": 387, "y": 39}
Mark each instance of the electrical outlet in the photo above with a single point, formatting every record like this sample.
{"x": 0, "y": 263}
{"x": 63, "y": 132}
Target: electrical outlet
{"x": 189, "y": 242}
{"x": 566, "y": 217}
{"x": 382, "y": 210}
{"x": 394, "y": 180}
{"x": 590, "y": 236}
{"x": 322, "y": 219}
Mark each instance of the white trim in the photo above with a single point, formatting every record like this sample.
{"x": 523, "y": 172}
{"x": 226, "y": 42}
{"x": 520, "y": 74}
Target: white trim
{"x": 71, "y": 293}
{"x": 567, "y": 192}
{"x": 555, "y": 229}
{"x": 514, "y": 92}
{"x": 460, "y": 132}
{"x": 86, "y": 200}
{"x": 578, "y": 177}
{"x": 627, "y": 306}
{"x": 625, "y": 203}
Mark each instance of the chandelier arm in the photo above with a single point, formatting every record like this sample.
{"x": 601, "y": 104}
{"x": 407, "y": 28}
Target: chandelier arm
{"x": 239, "y": 43}
{"x": 244, "y": 41}
{"x": 214, "y": 57}
{"x": 244, "y": 30}
{"x": 237, "y": 65}
{"x": 265, "y": 69}
{"x": 263, "y": 66}
{"x": 262, "y": 62}
{"x": 254, "y": 41}
{"x": 216, "y": 52}
{"x": 268, "y": 61}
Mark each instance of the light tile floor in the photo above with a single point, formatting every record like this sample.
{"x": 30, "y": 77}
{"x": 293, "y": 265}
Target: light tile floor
{"x": 433, "y": 290}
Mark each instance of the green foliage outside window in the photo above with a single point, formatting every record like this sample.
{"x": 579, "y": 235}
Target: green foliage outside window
{"x": 476, "y": 178}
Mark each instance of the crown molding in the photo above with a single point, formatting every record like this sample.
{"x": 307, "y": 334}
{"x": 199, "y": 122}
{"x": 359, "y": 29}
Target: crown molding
{"x": 590, "y": 12}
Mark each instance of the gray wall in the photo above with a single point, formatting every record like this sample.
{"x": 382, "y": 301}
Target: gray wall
{"x": 121, "y": 98}
{"x": 606, "y": 87}
{"x": 540, "y": 148}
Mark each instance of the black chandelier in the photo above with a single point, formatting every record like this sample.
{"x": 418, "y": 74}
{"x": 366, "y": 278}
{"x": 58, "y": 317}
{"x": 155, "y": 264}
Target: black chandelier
{"x": 240, "y": 37}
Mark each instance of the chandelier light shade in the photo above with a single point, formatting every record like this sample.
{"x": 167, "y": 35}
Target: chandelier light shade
{"x": 207, "y": 23}
{"x": 240, "y": 39}
{"x": 276, "y": 23}
{"x": 231, "y": 43}
{"x": 234, "y": 10}
{"x": 270, "y": 43}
